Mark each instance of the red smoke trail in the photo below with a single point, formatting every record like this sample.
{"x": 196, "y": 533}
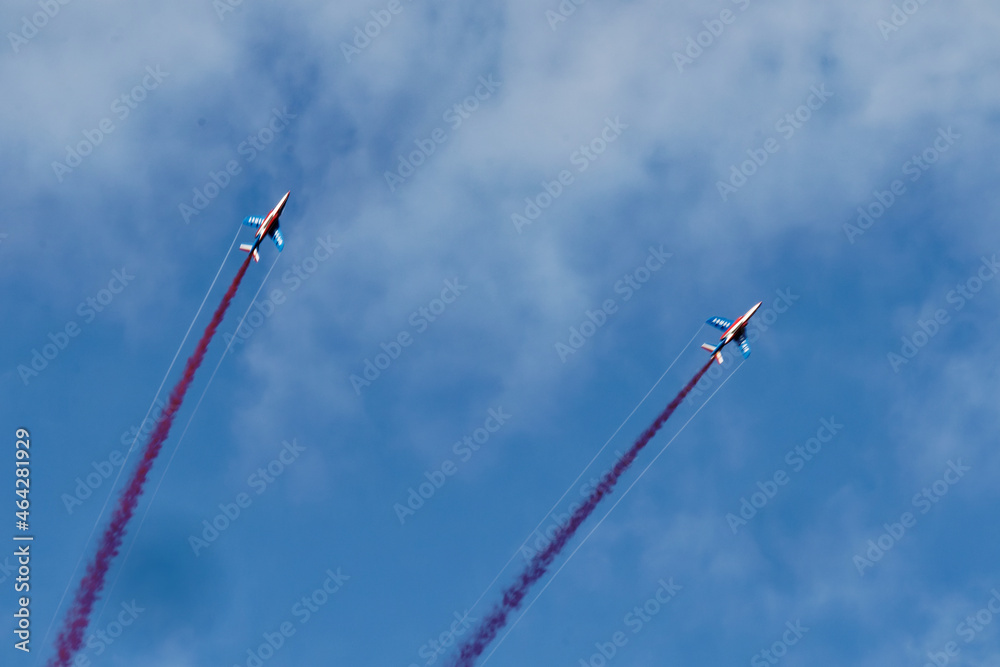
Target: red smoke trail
{"x": 514, "y": 594}
{"x": 78, "y": 617}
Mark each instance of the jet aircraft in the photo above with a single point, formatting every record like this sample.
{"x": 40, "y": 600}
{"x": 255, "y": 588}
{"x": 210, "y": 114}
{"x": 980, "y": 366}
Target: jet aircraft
{"x": 730, "y": 331}
{"x": 266, "y": 226}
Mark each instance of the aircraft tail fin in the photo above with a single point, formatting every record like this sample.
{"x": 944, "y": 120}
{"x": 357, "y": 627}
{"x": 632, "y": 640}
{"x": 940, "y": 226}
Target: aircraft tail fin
{"x": 246, "y": 247}
{"x": 717, "y": 355}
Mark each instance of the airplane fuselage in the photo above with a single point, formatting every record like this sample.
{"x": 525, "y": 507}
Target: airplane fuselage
{"x": 733, "y": 331}
{"x": 269, "y": 221}
{"x": 266, "y": 226}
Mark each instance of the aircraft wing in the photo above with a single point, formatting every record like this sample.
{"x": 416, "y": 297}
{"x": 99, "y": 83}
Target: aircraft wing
{"x": 744, "y": 345}
{"x": 720, "y": 323}
{"x": 254, "y": 221}
{"x": 275, "y": 234}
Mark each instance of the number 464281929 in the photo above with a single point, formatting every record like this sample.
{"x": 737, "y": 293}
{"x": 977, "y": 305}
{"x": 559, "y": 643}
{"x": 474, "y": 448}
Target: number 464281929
{"x": 23, "y": 483}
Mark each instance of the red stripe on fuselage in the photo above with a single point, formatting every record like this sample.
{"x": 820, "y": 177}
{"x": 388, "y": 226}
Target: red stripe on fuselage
{"x": 740, "y": 322}
{"x": 736, "y": 327}
{"x": 272, "y": 216}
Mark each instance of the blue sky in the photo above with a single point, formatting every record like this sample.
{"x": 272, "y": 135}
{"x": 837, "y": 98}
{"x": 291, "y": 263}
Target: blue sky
{"x": 901, "y": 123}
